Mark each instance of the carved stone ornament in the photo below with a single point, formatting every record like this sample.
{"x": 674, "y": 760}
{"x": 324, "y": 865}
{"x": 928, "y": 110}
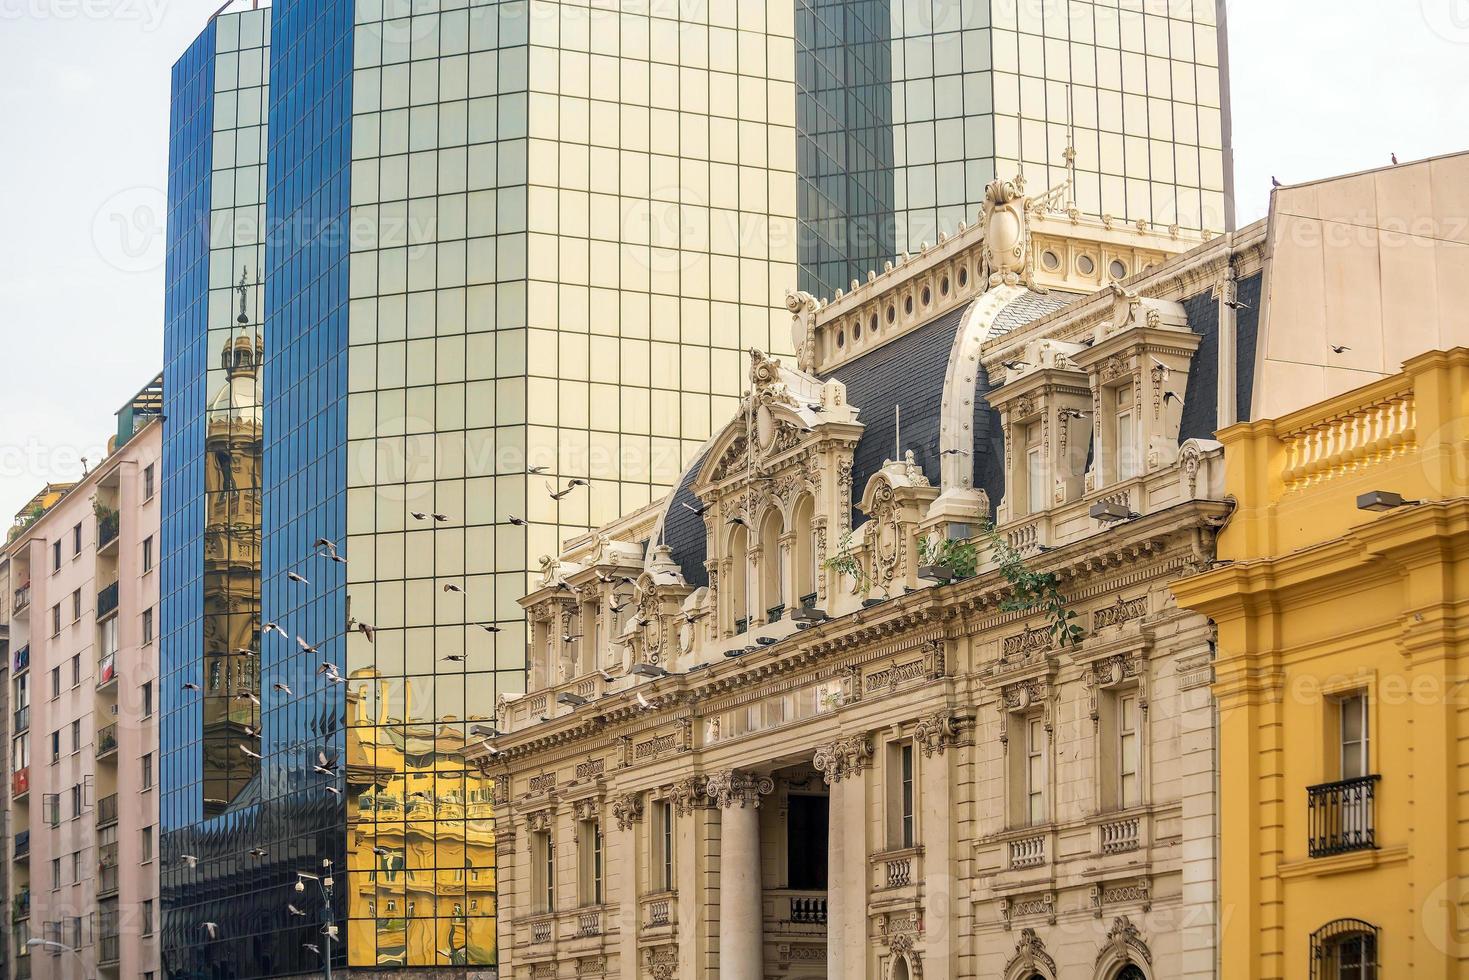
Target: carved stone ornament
{"x": 689, "y": 794}
{"x": 803, "y": 307}
{"x": 588, "y": 809}
{"x": 936, "y": 733}
{"x": 662, "y": 961}
{"x": 1125, "y": 944}
{"x": 1006, "y": 254}
{"x": 842, "y": 758}
{"x": 1030, "y": 954}
{"x": 732, "y": 788}
{"x": 627, "y": 810}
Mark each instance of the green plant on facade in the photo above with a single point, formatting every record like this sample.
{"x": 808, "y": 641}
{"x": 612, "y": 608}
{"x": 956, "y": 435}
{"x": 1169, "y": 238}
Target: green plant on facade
{"x": 1032, "y": 591}
{"x": 844, "y": 562}
{"x": 959, "y": 557}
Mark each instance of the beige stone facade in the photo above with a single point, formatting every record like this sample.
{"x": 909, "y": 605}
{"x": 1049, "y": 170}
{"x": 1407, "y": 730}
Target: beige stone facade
{"x": 766, "y": 738}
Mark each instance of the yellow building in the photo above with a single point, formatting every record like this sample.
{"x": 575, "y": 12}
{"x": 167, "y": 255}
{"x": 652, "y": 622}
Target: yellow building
{"x": 1340, "y": 608}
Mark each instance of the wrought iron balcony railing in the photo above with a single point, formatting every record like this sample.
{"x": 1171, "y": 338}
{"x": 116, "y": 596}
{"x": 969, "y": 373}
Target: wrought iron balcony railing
{"x": 1341, "y": 816}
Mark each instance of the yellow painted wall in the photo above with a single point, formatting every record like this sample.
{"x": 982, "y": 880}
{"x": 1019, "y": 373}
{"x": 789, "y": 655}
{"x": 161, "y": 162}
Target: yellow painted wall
{"x": 1319, "y": 600}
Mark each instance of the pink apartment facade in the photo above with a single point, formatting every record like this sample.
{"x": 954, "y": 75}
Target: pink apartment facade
{"x": 81, "y": 798}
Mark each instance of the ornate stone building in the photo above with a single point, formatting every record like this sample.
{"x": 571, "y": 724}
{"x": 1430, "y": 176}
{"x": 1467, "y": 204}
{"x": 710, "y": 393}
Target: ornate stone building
{"x": 766, "y": 737}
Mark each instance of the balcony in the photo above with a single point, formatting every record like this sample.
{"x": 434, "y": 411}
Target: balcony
{"x": 20, "y": 906}
{"x": 1341, "y": 816}
{"x": 1120, "y": 836}
{"x": 107, "y": 740}
{"x": 22, "y": 844}
{"x": 1028, "y": 852}
{"x": 22, "y": 598}
{"x": 20, "y": 784}
{"x": 808, "y": 909}
{"x": 540, "y": 930}
{"x": 107, "y": 601}
{"x": 589, "y": 923}
{"x": 108, "y": 524}
{"x": 22, "y": 720}
{"x": 657, "y": 911}
{"x": 107, "y": 810}
{"x": 23, "y": 658}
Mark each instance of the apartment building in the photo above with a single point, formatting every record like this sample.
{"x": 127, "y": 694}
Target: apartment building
{"x": 81, "y": 807}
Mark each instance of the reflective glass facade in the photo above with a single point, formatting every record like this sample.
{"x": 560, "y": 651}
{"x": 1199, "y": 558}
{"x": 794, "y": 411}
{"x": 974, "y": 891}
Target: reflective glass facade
{"x": 475, "y": 237}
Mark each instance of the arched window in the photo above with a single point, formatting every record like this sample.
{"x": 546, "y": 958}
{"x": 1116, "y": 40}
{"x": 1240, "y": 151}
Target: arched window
{"x": 803, "y": 552}
{"x": 770, "y": 570}
{"x": 738, "y": 586}
{"x": 1344, "y": 949}
{"x": 900, "y": 969}
{"x": 1129, "y": 972}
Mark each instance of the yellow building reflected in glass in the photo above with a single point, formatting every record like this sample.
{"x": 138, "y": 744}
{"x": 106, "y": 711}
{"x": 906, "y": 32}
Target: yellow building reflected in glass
{"x": 420, "y": 833}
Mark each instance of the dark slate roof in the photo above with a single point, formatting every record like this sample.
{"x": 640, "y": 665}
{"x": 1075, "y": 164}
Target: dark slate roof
{"x": 907, "y": 372}
{"x": 1028, "y": 307}
{"x": 1201, "y": 406}
{"x": 684, "y": 531}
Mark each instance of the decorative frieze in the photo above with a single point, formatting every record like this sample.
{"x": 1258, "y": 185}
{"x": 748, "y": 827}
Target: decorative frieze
{"x": 1138, "y": 892}
{"x": 542, "y": 782}
{"x": 842, "y": 758}
{"x": 732, "y": 788}
{"x": 1121, "y": 611}
{"x": 591, "y": 769}
{"x": 1023, "y": 646}
{"x": 655, "y": 746}
{"x": 1043, "y": 904}
{"x": 662, "y": 961}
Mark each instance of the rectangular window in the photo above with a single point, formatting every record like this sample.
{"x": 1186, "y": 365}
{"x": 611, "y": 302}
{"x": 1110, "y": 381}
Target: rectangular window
{"x": 56, "y": 745}
{"x": 148, "y": 482}
{"x": 76, "y": 866}
{"x": 147, "y": 626}
{"x": 56, "y": 682}
{"x": 76, "y": 801}
{"x": 1035, "y": 772}
{"x": 76, "y": 605}
{"x": 543, "y": 851}
{"x": 900, "y": 826}
{"x": 589, "y": 843}
{"x": 663, "y": 872}
{"x": 147, "y": 699}
{"x": 56, "y": 555}
{"x": 1352, "y": 723}
{"x": 55, "y": 873}
{"x": 1126, "y": 434}
{"x": 76, "y": 670}
{"x": 76, "y": 735}
{"x": 147, "y": 916}
{"x": 148, "y": 771}
{"x": 148, "y": 553}
{"x": 1128, "y": 786}
{"x": 51, "y": 809}
{"x": 147, "y": 844}
{"x": 76, "y": 540}
{"x": 56, "y": 619}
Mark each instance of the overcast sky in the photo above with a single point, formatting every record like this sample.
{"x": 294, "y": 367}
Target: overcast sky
{"x": 1320, "y": 87}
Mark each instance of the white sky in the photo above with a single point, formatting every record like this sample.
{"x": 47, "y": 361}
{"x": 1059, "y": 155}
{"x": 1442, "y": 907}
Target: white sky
{"x": 1320, "y": 87}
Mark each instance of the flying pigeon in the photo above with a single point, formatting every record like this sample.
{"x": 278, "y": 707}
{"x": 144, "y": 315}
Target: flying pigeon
{"x": 300, "y": 580}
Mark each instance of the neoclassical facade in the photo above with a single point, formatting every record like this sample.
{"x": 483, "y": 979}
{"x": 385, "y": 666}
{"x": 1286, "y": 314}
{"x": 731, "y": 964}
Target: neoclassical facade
{"x": 799, "y": 719}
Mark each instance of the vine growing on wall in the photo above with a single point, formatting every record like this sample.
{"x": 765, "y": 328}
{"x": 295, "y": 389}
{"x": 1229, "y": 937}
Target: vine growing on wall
{"x": 1032, "y": 591}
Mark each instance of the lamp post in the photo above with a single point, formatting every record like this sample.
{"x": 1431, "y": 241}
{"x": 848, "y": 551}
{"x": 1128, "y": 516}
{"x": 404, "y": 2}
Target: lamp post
{"x": 59, "y": 947}
{"x": 324, "y": 883}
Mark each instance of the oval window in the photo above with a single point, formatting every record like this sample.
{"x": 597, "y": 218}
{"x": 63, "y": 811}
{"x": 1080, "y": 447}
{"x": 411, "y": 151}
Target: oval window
{"x": 1118, "y": 269}
{"x": 1086, "y": 265}
{"x": 1050, "y": 260}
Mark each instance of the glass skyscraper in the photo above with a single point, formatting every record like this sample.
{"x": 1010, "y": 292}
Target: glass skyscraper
{"x": 450, "y": 281}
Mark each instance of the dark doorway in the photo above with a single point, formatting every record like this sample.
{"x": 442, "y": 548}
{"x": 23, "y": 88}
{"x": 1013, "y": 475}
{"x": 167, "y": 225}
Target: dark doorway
{"x": 806, "y": 843}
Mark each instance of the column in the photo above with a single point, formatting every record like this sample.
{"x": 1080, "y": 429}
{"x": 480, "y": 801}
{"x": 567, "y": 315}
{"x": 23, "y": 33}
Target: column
{"x": 627, "y": 810}
{"x": 842, "y": 764}
{"x": 741, "y": 922}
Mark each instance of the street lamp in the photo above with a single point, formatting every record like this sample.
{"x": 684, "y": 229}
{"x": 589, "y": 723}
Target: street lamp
{"x": 59, "y": 947}
{"x": 324, "y": 884}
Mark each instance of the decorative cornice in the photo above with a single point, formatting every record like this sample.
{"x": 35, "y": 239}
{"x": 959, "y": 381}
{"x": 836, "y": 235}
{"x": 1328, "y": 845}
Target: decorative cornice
{"x": 842, "y": 758}
{"x": 732, "y": 788}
